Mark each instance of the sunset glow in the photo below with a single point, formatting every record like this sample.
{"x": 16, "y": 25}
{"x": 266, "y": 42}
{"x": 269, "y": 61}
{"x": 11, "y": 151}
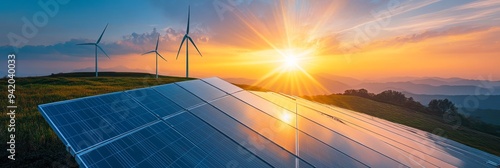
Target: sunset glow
{"x": 285, "y": 45}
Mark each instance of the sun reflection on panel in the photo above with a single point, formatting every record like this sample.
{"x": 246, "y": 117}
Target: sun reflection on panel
{"x": 286, "y": 117}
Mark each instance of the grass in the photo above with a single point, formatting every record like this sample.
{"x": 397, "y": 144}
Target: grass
{"x": 36, "y": 144}
{"x": 425, "y": 122}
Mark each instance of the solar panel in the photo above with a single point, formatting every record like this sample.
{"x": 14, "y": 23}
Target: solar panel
{"x": 85, "y": 122}
{"x": 213, "y": 142}
{"x": 202, "y": 89}
{"x": 155, "y": 102}
{"x": 181, "y": 96}
{"x": 276, "y": 130}
{"x": 266, "y": 106}
{"x": 222, "y": 85}
{"x": 257, "y": 144}
{"x": 212, "y": 123}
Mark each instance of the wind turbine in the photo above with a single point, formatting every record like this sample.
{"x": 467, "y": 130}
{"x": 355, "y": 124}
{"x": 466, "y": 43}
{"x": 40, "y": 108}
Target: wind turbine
{"x": 157, "y": 54}
{"x": 96, "y": 44}
{"x": 186, "y": 36}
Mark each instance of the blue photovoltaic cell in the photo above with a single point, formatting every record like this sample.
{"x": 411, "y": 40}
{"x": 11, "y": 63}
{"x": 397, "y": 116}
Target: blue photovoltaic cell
{"x": 88, "y": 121}
{"x": 222, "y": 85}
{"x": 264, "y": 148}
{"x": 155, "y": 102}
{"x": 202, "y": 89}
{"x": 214, "y": 143}
{"x": 179, "y": 95}
{"x": 157, "y": 145}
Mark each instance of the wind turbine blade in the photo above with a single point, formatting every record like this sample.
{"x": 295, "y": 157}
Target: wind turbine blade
{"x": 102, "y": 51}
{"x": 194, "y": 45}
{"x": 189, "y": 15}
{"x": 149, "y": 52}
{"x": 100, "y": 37}
{"x": 86, "y": 44}
{"x": 157, "y": 41}
{"x": 161, "y": 56}
{"x": 183, "y": 39}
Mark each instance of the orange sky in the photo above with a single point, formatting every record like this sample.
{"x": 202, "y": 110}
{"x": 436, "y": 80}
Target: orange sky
{"x": 427, "y": 38}
{"x": 466, "y": 55}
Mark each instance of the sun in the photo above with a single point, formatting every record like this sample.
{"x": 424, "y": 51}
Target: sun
{"x": 291, "y": 61}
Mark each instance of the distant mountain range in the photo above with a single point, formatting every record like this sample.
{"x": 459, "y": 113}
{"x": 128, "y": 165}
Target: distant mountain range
{"x": 428, "y": 89}
{"x": 421, "y": 89}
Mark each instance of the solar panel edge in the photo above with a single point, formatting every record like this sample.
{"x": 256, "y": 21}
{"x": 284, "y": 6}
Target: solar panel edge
{"x": 56, "y": 130}
{"x": 80, "y": 98}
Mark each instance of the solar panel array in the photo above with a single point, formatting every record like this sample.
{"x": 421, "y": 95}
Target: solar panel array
{"x": 212, "y": 123}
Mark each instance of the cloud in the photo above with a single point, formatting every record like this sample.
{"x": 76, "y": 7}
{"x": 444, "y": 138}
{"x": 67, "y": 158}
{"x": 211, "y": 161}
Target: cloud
{"x": 134, "y": 43}
{"x": 453, "y": 31}
{"x": 473, "y": 13}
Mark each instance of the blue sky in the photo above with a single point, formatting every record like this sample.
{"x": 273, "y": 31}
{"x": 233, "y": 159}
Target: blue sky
{"x": 224, "y": 26}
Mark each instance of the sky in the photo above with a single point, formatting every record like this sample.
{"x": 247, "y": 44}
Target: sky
{"x": 258, "y": 39}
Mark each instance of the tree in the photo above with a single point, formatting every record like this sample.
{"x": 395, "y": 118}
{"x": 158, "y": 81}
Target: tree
{"x": 361, "y": 93}
{"x": 391, "y": 96}
{"x": 441, "y": 106}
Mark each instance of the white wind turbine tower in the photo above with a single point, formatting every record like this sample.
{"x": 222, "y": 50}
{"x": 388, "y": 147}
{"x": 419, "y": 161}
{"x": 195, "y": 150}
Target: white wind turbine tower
{"x": 96, "y": 44}
{"x": 157, "y": 54}
{"x": 186, "y": 36}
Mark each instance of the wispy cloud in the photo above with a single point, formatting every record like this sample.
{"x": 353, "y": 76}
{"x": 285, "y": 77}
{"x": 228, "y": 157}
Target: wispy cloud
{"x": 478, "y": 12}
{"x": 419, "y": 37}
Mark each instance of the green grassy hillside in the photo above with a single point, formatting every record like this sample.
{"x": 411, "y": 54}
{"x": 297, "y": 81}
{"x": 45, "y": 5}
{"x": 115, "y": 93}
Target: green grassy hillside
{"x": 425, "y": 122}
{"x": 36, "y": 144}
